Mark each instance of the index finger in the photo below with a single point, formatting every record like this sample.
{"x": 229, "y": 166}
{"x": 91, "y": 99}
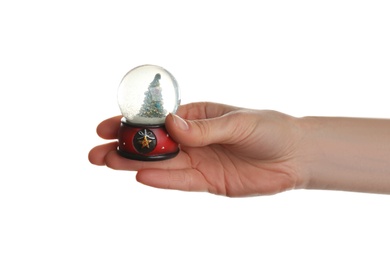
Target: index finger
{"x": 108, "y": 129}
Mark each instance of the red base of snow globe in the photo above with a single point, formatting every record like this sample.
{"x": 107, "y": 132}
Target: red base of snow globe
{"x": 145, "y": 142}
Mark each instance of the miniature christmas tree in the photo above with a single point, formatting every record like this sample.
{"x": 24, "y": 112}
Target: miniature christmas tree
{"x": 153, "y": 102}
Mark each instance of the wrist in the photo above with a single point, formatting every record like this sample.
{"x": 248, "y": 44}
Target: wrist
{"x": 307, "y": 151}
{"x": 348, "y": 154}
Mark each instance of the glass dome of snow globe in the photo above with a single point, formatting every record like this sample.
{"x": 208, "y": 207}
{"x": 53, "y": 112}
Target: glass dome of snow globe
{"x": 146, "y": 95}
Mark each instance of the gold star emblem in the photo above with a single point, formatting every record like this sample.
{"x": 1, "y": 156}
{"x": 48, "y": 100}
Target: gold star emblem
{"x": 145, "y": 142}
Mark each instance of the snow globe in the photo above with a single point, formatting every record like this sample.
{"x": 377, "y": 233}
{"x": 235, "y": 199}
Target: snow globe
{"x": 146, "y": 95}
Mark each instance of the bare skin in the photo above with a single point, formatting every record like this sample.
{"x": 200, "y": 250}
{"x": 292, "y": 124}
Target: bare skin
{"x": 238, "y": 152}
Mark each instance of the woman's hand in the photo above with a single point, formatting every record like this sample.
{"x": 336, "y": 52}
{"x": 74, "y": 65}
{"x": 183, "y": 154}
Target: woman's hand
{"x": 225, "y": 150}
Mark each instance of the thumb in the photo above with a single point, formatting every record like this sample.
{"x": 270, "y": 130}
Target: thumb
{"x": 201, "y": 132}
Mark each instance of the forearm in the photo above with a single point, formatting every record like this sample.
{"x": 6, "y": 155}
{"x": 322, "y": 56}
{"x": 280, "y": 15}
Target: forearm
{"x": 348, "y": 154}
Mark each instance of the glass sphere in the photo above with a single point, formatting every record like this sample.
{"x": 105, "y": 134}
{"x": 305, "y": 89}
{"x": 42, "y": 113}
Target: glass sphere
{"x": 147, "y": 94}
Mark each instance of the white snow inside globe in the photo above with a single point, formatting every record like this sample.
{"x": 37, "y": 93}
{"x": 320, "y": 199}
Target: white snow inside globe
{"x": 147, "y": 94}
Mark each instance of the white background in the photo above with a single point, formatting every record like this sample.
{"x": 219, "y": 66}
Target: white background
{"x": 60, "y": 65}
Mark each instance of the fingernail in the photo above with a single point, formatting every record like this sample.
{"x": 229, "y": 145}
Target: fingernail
{"x": 179, "y": 122}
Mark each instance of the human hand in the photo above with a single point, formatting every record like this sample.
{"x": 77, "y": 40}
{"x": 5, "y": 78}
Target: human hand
{"x": 225, "y": 150}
